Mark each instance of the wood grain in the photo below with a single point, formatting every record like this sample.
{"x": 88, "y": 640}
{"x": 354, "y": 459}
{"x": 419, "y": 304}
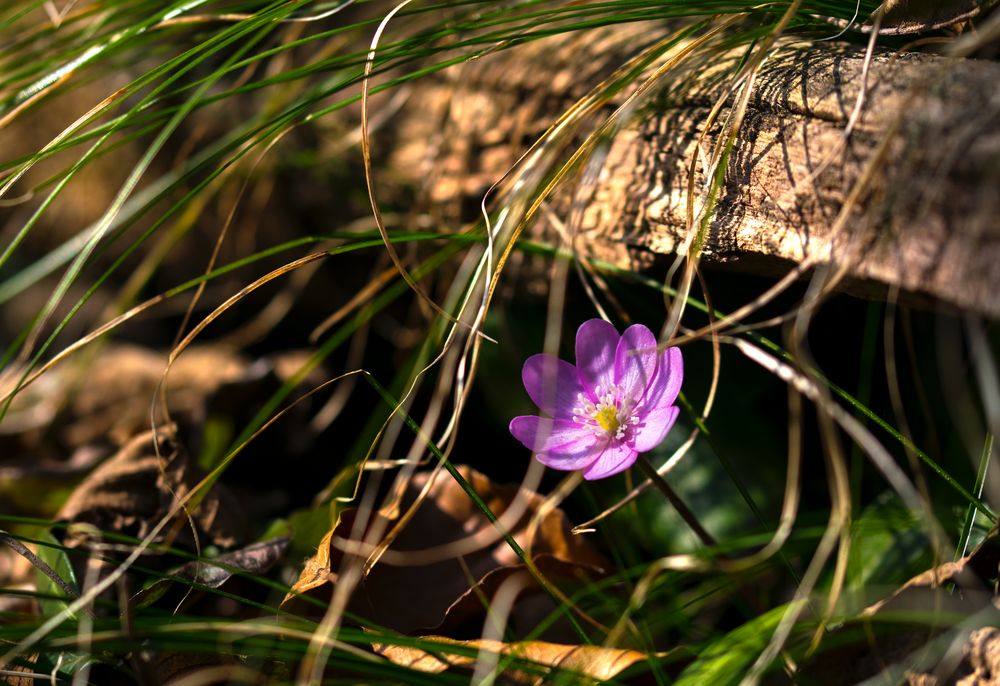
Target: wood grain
{"x": 926, "y": 216}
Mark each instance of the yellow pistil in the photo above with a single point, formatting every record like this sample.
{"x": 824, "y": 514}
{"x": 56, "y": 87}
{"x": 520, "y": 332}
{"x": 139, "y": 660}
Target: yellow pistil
{"x": 607, "y": 418}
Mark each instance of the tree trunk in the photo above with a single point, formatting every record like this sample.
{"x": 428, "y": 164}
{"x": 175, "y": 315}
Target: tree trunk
{"x": 910, "y": 200}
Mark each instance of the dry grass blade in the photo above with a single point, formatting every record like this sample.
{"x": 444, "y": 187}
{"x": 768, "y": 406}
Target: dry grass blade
{"x": 641, "y": 148}
{"x": 369, "y": 171}
{"x": 807, "y": 387}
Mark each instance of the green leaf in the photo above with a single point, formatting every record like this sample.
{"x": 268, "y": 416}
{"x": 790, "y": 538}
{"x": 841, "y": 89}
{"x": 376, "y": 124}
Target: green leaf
{"x": 54, "y": 555}
{"x": 726, "y": 660}
{"x": 889, "y": 544}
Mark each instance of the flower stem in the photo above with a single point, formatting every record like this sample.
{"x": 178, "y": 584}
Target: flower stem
{"x": 686, "y": 514}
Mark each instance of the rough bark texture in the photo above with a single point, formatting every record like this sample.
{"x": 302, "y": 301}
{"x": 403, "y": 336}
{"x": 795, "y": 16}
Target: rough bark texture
{"x": 925, "y": 216}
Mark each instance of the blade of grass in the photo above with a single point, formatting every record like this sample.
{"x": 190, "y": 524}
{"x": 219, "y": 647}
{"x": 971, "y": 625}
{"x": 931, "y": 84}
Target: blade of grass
{"x": 970, "y": 515}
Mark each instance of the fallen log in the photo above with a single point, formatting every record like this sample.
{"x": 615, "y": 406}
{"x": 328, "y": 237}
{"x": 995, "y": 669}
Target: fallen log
{"x": 910, "y": 200}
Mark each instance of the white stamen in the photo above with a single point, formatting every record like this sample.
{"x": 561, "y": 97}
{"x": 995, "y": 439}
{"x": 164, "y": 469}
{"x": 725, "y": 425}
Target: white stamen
{"x": 611, "y": 417}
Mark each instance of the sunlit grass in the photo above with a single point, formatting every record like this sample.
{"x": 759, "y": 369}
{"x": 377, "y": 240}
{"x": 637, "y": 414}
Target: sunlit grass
{"x": 197, "y": 104}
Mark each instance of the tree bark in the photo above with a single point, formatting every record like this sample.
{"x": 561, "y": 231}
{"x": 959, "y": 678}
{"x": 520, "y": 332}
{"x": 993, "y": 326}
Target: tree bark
{"x": 910, "y": 200}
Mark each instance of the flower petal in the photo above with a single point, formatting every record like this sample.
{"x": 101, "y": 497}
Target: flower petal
{"x": 617, "y": 457}
{"x": 552, "y": 436}
{"x": 636, "y": 360}
{"x": 667, "y": 382}
{"x": 584, "y": 454}
{"x": 553, "y": 384}
{"x": 653, "y": 428}
{"x": 596, "y": 342}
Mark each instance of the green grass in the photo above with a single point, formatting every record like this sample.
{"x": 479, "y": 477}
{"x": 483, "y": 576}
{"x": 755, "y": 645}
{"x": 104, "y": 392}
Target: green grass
{"x": 204, "y": 124}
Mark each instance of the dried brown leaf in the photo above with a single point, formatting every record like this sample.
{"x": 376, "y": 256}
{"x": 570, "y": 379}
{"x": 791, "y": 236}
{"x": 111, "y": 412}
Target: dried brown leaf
{"x": 115, "y": 393}
{"x": 133, "y": 490}
{"x": 594, "y": 662}
{"x": 109, "y": 400}
{"x": 317, "y": 570}
{"x": 73, "y": 417}
{"x": 254, "y": 559}
{"x": 452, "y": 588}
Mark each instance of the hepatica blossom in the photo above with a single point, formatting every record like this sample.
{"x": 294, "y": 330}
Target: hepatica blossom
{"x": 616, "y": 402}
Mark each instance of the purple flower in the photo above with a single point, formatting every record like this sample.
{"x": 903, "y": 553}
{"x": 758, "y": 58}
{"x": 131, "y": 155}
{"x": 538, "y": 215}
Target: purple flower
{"x": 615, "y": 403}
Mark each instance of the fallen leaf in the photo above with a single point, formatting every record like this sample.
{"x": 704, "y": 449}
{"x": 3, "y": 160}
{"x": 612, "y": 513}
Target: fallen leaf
{"x": 593, "y": 662}
{"x": 533, "y": 606}
{"x": 78, "y": 415}
{"x": 131, "y": 492}
{"x": 114, "y": 394}
{"x": 317, "y": 571}
{"x": 254, "y": 559}
{"x": 452, "y": 589}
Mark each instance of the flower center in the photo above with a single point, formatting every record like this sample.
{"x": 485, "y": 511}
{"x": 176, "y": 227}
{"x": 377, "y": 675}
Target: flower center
{"x": 607, "y": 418}
{"x": 610, "y": 417}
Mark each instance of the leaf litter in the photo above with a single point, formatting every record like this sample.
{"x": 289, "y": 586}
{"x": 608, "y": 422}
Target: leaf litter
{"x": 443, "y": 591}
{"x": 443, "y": 574}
